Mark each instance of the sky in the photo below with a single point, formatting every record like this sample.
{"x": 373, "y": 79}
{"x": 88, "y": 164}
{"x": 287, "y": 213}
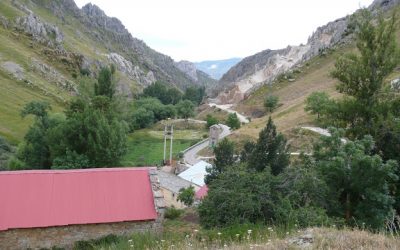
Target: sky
{"x": 198, "y": 30}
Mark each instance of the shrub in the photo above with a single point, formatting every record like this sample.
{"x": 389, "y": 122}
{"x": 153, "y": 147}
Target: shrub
{"x": 173, "y": 213}
{"x": 271, "y": 103}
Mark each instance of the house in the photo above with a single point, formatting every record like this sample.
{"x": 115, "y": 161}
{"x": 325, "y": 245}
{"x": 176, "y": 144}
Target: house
{"x": 42, "y": 209}
{"x": 171, "y": 185}
{"x": 196, "y": 173}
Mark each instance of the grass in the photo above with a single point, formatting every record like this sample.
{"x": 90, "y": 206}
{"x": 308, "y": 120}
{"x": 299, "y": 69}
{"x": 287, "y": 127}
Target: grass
{"x": 180, "y": 234}
{"x": 146, "y": 147}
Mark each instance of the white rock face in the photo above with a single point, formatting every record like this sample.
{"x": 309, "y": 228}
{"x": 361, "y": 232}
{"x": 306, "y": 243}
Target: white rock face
{"x": 263, "y": 68}
{"x": 130, "y": 70}
{"x": 41, "y": 31}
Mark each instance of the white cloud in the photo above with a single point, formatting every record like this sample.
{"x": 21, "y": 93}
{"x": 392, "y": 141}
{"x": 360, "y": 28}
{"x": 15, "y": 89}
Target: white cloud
{"x": 198, "y": 30}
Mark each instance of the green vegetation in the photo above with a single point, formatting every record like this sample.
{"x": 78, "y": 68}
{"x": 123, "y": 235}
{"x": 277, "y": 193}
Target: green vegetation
{"x": 211, "y": 120}
{"x": 167, "y": 95}
{"x": 224, "y": 158}
{"x": 145, "y": 148}
{"x": 91, "y": 134}
{"x": 185, "y": 109}
{"x": 186, "y": 196}
{"x": 271, "y": 103}
{"x": 194, "y": 94}
{"x": 233, "y": 121}
{"x": 317, "y": 103}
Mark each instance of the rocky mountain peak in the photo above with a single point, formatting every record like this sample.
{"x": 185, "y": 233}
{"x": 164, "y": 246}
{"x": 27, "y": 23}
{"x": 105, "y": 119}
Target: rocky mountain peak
{"x": 97, "y": 15}
{"x": 188, "y": 68}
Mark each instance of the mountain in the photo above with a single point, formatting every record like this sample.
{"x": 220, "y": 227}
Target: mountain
{"x": 46, "y": 45}
{"x": 266, "y": 66}
{"x": 216, "y": 69}
{"x": 195, "y": 74}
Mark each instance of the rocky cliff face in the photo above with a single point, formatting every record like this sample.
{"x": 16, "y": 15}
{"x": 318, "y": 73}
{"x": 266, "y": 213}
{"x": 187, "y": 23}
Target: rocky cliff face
{"x": 263, "y": 68}
{"x": 98, "y": 40}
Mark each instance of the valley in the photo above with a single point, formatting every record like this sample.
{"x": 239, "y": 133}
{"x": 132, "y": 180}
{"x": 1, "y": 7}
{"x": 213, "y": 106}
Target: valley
{"x": 288, "y": 148}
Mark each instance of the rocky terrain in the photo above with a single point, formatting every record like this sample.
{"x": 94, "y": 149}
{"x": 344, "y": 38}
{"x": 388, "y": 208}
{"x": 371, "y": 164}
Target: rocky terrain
{"x": 264, "y": 67}
{"x": 50, "y": 22}
{"x": 46, "y": 46}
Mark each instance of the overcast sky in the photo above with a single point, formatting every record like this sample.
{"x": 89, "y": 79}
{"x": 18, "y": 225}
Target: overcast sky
{"x": 197, "y": 30}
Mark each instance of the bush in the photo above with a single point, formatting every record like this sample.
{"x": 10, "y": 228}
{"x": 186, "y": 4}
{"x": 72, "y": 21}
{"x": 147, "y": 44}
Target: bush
{"x": 211, "y": 120}
{"x": 173, "y": 213}
{"x": 92, "y": 244}
{"x": 271, "y": 103}
{"x": 233, "y": 121}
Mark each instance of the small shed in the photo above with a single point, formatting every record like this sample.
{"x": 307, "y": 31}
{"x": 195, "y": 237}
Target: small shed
{"x": 45, "y": 209}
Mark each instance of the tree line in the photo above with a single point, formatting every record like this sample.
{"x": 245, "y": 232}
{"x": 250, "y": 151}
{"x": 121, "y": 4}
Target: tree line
{"x": 92, "y": 131}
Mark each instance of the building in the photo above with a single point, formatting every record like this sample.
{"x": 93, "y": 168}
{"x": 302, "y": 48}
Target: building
{"x": 42, "y": 209}
{"x": 171, "y": 185}
{"x": 214, "y": 133}
{"x": 201, "y": 193}
{"x": 196, "y": 173}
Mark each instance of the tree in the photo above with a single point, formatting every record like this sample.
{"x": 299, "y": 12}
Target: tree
{"x": 233, "y": 121}
{"x": 142, "y": 118}
{"x": 237, "y": 196}
{"x": 105, "y": 85}
{"x": 163, "y": 93}
{"x": 93, "y": 132}
{"x": 362, "y": 74}
{"x": 248, "y": 149}
{"x": 317, "y": 103}
{"x": 35, "y": 151}
{"x": 224, "y": 158}
{"x": 194, "y": 94}
{"x": 211, "y": 120}
{"x": 5, "y": 153}
{"x": 271, "y": 103}
{"x": 185, "y": 109}
{"x": 358, "y": 181}
{"x": 270, "y": 152}
{"x": 186, "y": 196}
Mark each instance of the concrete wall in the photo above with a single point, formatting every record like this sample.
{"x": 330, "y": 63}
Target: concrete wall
{"x": 65, "y": 236}
{"x": 171, "y": 199}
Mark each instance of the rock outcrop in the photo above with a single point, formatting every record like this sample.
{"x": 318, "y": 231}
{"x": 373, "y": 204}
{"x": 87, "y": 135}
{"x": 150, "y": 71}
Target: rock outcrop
{"x": 41, "y": 31}
{"x": 264, "y": 67}
{"x": 133, "y": 58}
{"x": 188, "y": 68}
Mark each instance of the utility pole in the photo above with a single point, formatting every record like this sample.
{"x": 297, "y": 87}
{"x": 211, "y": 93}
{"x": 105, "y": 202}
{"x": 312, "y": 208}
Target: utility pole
{"x": 170, "y": 148}
{"x": 165, "y": 143}
{"x": 168, "y": 134}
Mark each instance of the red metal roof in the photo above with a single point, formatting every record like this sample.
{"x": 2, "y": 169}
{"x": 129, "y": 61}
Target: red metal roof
{"x": 202, "y": 192}
{"x": 66, "y": 197}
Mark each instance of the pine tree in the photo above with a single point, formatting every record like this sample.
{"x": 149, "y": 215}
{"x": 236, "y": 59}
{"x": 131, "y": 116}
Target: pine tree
{"x": 270, "y": 151}
{"x": 224, "y": 158}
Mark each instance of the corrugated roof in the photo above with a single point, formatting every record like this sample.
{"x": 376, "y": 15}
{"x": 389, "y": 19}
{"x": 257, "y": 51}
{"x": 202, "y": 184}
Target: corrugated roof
{"x": 196, "y": 173}
{"x": 172, "y": 182}
{"x": 202, "y": 192}
{"x": 66, "y": 197}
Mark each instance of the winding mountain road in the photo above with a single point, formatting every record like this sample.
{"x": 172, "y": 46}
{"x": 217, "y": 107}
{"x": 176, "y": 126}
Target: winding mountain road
{"x": 190, "y": 155}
